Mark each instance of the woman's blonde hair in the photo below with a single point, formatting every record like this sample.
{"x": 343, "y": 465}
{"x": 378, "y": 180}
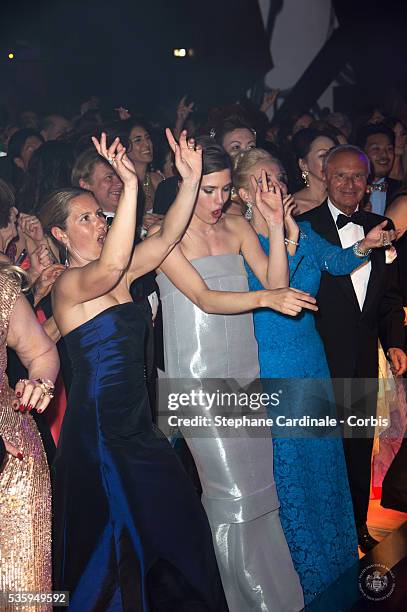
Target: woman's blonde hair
{"x": 245, "y": 161}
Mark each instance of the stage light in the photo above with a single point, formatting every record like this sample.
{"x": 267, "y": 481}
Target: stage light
{"x": 180, "y": 52}
{"x": 11, "y": 56}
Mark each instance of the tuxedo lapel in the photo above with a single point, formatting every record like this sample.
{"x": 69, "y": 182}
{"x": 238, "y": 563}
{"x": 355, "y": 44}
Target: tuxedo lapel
{"x": 326, "y": 227}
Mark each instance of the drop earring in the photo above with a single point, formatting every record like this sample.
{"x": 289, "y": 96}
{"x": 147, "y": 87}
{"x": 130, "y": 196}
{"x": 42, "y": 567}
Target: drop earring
{"x": 249, "y": 211}
{"x": 66, "y": 264}
{"x": 304, "y": 175}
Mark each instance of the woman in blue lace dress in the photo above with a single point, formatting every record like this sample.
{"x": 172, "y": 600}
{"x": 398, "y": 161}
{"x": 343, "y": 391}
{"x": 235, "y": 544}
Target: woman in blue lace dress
{"x": 316, "y": 508}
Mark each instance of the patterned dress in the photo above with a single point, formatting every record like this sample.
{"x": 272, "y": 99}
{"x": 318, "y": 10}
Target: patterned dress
{"x": 25, "y": 491}
{"x": 310, "y": 474}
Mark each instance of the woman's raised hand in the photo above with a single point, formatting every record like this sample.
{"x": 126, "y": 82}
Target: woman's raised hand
{"x": 290, "y": 224}
{"x": 188, "y": 156}
{"x": 117, "y": 158}
{"x": 269, "y": 199}
{"x": 31, "y": 227}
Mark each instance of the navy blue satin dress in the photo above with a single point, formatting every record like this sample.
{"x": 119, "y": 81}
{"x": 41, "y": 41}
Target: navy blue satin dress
{"x": 130, "y": 532}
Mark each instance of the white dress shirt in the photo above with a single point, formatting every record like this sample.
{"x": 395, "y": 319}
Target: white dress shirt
{"x": 348, "y": 235}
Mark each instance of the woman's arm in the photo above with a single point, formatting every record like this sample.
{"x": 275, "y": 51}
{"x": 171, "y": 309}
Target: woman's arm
{"x": 150, "y": 253}
{"x": 338, "y": 261}
{"x": 272, "y": 271}
{"x": 185, "y": 277}
{"x": 36, "y": 351}
{"x": 78, "y": 285}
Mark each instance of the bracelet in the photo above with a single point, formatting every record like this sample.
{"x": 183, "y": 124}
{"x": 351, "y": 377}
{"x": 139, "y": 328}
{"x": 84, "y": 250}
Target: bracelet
{"x": 287, "y": 241}
{"x": 359, "y": 253}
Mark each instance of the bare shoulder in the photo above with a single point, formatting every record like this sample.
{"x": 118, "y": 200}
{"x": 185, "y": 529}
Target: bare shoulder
{"x": 398, "y": 205}
{"x": 236, "y": 223}
{"x": 63, "y": 284}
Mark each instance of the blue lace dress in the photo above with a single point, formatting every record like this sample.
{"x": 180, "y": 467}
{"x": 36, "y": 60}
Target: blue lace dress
{"x": 316, "y": 508}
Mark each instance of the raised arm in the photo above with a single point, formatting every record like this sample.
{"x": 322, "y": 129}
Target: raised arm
{"x": 149, "y": 254}
{"x": 272, "y": 271}
{"x": 186, "y": 278}
{"x": 81, "y": 284}
{"x": 338, "y": 261}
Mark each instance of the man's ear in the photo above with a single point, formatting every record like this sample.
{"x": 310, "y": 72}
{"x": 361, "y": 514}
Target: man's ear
{"x": 84, "y": 184}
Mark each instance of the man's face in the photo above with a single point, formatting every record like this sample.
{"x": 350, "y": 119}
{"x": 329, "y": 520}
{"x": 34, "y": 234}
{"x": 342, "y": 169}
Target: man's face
{"x": 346, "y": 179}
{"x": 380, "y": 151}
{"x": 105, "y": 186}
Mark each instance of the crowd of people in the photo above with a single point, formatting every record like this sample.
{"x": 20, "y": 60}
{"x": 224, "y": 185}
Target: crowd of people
{"x": 224, "y": 248}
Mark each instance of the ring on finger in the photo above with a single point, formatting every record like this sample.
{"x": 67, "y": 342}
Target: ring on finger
{"x": 110, "y": 159}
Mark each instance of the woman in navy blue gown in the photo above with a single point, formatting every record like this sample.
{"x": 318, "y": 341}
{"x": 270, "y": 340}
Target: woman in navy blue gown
{"x": 130, "y": 532}
{"x": 310, "y": 474}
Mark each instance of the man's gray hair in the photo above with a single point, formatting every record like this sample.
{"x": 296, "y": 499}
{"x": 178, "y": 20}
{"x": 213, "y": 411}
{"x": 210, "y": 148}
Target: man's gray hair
{"x": 345, "y": 148}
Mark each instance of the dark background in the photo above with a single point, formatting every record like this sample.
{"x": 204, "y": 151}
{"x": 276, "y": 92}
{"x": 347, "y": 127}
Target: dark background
{"x": 121, "y": 50}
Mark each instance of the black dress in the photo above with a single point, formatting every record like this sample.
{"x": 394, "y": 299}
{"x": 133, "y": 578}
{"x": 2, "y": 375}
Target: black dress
{"x": 130, "y": 532}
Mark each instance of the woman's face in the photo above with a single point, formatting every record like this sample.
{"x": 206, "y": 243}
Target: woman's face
{"x": 275, "y": 173}
{"x": 86, "y": 229}
{"x": 214, "y": 192}
{"x": 141, "y": 148}
{"x": 313, "y": 162}
{"x": 241, "y": 139}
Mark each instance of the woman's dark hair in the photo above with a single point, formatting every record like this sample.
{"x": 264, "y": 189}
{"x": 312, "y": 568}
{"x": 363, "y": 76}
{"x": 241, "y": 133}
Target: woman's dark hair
{"x": 7, "y": 201}
{"x": 161, "y": 150}
{"x": 214, "y": 158}
{"x": 18, "y": 140}
{"x": 229, "y": 124}
{"x": 303, "y": 139}
{"x": 49, "y": 168}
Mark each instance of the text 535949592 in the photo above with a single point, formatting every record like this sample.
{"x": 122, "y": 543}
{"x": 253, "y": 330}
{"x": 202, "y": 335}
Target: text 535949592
{"x": 56, "y": 598}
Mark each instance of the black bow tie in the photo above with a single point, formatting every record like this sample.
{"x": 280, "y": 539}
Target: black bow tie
{"x": 343, "y": 220}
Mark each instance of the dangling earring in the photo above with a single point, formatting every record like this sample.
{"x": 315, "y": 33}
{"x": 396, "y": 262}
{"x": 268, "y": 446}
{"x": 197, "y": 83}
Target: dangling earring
{"x": 66, "y": 264}
{"x": 304, "y": 176}
{"x": 249, "y": 211}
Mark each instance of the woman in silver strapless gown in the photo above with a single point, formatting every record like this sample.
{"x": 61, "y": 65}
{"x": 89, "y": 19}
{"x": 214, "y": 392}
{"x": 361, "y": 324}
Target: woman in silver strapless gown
{"x": 239, "y": 493}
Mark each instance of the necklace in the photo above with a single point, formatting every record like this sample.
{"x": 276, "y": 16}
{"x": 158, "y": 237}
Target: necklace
{"x": 148, "y": 191}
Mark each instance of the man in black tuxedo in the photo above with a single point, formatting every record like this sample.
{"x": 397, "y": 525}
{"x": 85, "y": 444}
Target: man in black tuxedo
{"x": 355, "y": 310}
{"x": 377, "y": 141}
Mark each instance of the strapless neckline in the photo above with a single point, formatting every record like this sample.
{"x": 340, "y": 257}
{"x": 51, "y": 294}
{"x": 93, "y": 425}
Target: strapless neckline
{"x": 197, "y": 259}
{"x": 99, "y": 314}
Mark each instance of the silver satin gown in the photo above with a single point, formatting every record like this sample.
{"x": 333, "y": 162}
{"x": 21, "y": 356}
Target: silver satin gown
{"x": 239, "y": 492}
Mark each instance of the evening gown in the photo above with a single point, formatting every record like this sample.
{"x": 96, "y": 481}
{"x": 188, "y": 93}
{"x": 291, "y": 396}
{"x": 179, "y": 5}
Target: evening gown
{"x": 311, "y": 478}
{"x": 25, "y": 488}
{"x": 130, "y": 532}
{"x": 235, "y": 470}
